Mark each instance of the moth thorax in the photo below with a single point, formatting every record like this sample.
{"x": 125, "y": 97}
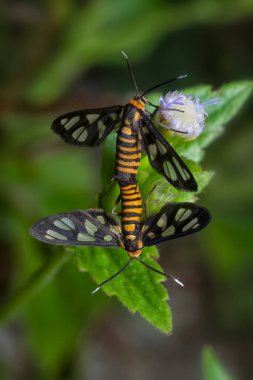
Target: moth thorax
{"x": 138, "y": 103}
{"x": 130, "y": 123}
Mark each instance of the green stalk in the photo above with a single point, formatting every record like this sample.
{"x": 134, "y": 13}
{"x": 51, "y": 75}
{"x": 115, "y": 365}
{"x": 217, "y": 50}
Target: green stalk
{"x": 39, "y": 279}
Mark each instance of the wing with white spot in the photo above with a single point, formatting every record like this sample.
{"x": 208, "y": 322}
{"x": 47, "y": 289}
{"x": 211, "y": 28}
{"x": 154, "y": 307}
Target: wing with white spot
{"x": 174, "y": 220}
{"x": 92, "y": 227}
{"x": 164, "y": 158}
{"x": 87, "y": 127}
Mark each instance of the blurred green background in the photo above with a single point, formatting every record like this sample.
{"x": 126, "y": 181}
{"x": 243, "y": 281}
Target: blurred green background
{"x": 61, "y": 56}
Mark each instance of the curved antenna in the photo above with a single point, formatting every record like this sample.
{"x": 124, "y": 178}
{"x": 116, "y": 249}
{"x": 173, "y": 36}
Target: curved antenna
{"x": 162, "y": 273}
{"x": 163, "y": 83}
{"x": 113, "y": 276}
{"x": 164, "y": 108}
{"x": 131, "y": 73}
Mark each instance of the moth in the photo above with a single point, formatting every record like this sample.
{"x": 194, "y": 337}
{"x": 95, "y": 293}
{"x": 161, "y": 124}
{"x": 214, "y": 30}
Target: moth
{"x": 98, "y": 228}
{"x": 136, "y": 131}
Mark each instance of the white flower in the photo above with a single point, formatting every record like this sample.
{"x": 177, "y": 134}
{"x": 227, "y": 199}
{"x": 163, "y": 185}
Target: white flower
{"x": 183, "y": 114}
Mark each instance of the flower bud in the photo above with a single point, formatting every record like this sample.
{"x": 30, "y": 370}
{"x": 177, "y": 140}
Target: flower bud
{"x": 183, "y": 114}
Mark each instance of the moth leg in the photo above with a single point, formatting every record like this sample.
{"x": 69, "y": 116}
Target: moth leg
{"x": 147, "y": 199}
{"x": 177, "y": 131}
{"x": 162, "y": 125}
{"x": 116, "y": 204}
{"x": 174, "y": 130}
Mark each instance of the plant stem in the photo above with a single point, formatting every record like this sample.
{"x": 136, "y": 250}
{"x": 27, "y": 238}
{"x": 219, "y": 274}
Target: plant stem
{"x": 39, "y": 279}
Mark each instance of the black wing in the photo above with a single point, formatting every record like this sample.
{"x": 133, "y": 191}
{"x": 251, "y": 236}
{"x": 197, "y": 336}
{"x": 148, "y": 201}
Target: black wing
{"x": 87, "y": 127}
{"x": 164, "y": 159}
{"x": 173, "y": 221}
{"x": 92, "y": 227}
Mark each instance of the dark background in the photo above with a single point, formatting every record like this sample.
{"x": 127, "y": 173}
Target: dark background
{"x": 62, "y": 56}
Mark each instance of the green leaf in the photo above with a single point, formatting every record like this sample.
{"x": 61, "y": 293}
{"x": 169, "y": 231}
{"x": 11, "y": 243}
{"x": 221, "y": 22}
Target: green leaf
{"x": 212, "y": 368}
{"x": 138, "y": 288}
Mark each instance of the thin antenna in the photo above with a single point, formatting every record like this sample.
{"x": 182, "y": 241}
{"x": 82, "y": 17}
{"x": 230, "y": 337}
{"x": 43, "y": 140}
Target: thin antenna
{"x": 113, "y": 276}
{"x": 131, "y": 73}
{"x": 162, "y": 273}
{"x": 164, "y": 108}
{"x": 163, "y": 83}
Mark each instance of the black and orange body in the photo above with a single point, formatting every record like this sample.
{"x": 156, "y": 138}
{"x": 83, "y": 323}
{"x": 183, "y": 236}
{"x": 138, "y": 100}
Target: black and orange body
{"x": 128, "y": 155}
{"x": 131, "y": 219}
{"x": 128, "y": 149}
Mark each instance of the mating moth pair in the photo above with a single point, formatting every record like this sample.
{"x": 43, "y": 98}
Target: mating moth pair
{"x": 136, "y": 132}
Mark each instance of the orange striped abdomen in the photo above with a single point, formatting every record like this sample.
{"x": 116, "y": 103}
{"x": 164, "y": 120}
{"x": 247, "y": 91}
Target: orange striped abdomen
{"x": 128, "y": 155}
{"x": 131, "y": 216}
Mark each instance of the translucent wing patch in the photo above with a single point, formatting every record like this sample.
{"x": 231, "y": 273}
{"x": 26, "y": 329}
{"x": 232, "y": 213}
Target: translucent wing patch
{"x": 173, "y": 221}
{"x": 91, "y": 227}
{"x": 164, "y": 159}
{"x": 87, "y": 127}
